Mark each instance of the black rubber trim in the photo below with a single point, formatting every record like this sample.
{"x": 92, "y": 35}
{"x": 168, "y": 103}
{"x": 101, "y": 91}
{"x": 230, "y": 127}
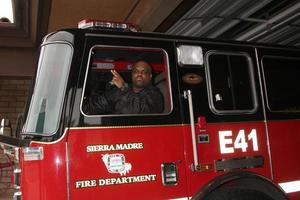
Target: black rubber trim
{"x": 15, "y": 142}
{"x": 239, "y": 163}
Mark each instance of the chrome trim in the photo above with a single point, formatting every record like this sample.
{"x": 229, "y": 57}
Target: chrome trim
{"x": 264, "y": 113}
{"x": 68, "y": 171}
{"x": 17, "y": 195}
{"x": 265, "y": 82}
{"x": 129, "y": 126}
{"x": 17, "y": 173}
{"x": 62, "y": 137}
{"x": 188, "y": 95}
{"x": 251, "y": 79}
{"x": 163, "y": 175}
{"x": 33, "y": 153}
{"x": 17, "y": 154}
{"x": 128, "y": 47}
{"x": 36, "y": 81}
{"x": 290, "y": 186}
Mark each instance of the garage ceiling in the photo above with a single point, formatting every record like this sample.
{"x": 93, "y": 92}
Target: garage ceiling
{"x": 35, "y": 18}
{"x": 145, "y": 13}
{"x": 264, "y": 21}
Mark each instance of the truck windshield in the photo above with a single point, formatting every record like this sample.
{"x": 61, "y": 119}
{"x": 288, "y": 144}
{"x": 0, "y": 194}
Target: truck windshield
{"x": 47, "y": 98}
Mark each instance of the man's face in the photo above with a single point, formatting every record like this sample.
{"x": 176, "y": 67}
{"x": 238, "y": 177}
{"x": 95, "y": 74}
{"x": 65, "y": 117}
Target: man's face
{"x": 141, "y": 75}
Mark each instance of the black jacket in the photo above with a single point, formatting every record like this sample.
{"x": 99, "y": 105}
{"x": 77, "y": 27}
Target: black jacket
{"x": 125, "y": 101}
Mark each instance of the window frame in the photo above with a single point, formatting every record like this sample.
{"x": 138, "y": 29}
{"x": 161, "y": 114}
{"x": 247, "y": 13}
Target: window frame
{"x": 168, "y": 81}
{"x": 13, "y": 14}
{"x": 265, "y": 83}
{"x": 30, "y": 24}
{"x": 38, "y": 79}
{"x": 251, "y": 80}
{"x": 20, "y": 26}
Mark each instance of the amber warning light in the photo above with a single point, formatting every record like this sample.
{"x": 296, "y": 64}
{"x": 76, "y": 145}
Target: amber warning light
{"x": 106, "y": 25}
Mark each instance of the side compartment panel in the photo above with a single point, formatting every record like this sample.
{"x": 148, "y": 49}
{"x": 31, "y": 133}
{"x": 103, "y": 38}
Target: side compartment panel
{"x": 125, "y": 162}
{"x": 46, "y": 178}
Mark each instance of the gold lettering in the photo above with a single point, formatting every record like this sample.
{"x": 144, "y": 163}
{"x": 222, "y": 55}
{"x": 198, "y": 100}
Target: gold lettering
{"x": 85, "y": 184}
{"x": 116, "y": 147}
{"x": 126, "y": 180}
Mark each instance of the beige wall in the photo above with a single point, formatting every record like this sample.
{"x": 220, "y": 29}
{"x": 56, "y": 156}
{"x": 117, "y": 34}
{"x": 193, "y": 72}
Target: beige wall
{"x": 18, "y": 61}
{"x": 13, "y": 96}
{"x": 17, "y": 66}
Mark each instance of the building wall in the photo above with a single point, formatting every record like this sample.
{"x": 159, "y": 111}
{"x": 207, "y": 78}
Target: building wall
{"x": 20, "y": 62}
{"x": 13, "y": 95}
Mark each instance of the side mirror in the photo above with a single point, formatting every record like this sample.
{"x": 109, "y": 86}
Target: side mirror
{"x": 5, "y": 127}
{"x": 19, "y": 125}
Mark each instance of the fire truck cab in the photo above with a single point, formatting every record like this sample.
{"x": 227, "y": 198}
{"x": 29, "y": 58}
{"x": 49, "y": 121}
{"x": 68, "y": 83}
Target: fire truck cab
{"x": 229, "y": 128}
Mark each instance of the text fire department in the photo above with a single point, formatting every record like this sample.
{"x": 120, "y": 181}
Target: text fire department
{"x": 115, "y": 181}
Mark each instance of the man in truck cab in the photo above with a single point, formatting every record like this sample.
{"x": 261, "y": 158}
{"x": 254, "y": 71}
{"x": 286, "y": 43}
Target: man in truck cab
{"x": 140, "y": 97}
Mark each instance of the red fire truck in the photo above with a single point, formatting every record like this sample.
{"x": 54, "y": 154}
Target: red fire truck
{"x": 230, "y": 128}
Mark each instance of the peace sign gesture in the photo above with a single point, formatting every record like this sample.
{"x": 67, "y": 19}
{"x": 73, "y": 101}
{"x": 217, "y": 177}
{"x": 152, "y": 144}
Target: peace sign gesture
{"x": 117, "y": 79}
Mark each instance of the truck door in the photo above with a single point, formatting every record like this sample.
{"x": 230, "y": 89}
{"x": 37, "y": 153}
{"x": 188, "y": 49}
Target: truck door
{"x": 222, "y": 104}
{"x": 116, "y": 155}
{"x": 280, "y": 77}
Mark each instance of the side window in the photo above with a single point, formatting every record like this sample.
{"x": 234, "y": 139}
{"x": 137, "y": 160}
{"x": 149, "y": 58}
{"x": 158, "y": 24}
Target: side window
{"x": 281, "y": 76}
{"x": 126, "y": 80}
{"x": 47, "y": 99}
{"x": 231, "y": 83}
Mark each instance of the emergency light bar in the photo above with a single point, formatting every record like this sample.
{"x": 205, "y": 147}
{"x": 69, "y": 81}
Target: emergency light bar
{"x": 106, "y": 25}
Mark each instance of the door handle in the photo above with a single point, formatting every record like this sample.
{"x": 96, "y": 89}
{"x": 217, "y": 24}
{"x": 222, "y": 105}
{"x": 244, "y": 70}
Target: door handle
{"x": 188, "y": 95}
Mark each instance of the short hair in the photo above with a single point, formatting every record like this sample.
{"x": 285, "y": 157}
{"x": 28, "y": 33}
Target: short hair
{"x": 142, "y": 60}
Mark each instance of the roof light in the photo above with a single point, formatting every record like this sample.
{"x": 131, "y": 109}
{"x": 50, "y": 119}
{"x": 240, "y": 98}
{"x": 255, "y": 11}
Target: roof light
{"x": 106, "y": 25}
{"x": 189, "y": 55}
